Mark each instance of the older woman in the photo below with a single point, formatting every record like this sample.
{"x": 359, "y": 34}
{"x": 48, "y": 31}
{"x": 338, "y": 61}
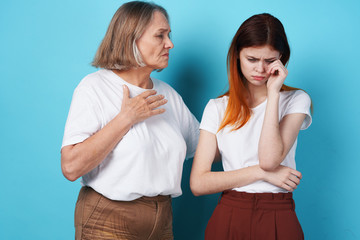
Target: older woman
{"x": 127, "y": 134}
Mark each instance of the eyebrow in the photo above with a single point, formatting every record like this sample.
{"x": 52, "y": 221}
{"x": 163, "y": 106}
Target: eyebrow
{"x": 163, "y": 30}
{"x": 266, "y": 59}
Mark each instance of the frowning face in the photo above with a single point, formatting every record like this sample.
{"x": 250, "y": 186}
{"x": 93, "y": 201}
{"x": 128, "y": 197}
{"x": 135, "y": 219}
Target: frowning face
{"x": 155, "y": 43}
{"x": 254, "y": 63}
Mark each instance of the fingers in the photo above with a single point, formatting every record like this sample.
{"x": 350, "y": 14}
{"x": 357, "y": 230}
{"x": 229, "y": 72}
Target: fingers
{"x": 293, "y": 180}
{"x": 147, "y": 94}
{"x": 142, "y": 106}
{"x": 277, "y": 67}
{"x": 289, "y": 178}
{"x": 151, "y": 100}
{"x": 147, "y": 98}
{"x": 155, "y": 98}
{"x": 291, "y": 184}
{"x": 144, "y": 95}
{"x": 157, "y": 103}
{"x": 296, "y": 173}
{"x": 157, "y": 111}
{"x": 287, "y": 187}
{"x": 126, "y": 92}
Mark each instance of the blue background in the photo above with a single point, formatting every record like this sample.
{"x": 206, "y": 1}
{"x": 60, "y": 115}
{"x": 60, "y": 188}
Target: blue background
{"x": 46, "y": 48}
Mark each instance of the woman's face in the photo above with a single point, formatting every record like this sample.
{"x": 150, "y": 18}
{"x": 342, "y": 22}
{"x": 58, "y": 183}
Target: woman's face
{"x": 254, "y": 63}
{"x": 154, "y": 44}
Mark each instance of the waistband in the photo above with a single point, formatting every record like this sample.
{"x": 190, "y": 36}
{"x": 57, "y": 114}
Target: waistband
{"x": 158, "y": 198}
{"x": 244, "y": 200}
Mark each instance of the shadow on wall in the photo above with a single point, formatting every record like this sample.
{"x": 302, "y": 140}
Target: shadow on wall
{"x": 190, "y": 81}
{"x": 191, "y": 213}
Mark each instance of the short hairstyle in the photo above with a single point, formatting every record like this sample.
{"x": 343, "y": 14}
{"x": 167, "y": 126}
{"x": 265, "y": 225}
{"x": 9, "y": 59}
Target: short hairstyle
{"x": 118, "y": 49}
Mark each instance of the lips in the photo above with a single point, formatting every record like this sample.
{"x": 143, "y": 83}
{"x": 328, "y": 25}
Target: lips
{"x": 258, "y": 78}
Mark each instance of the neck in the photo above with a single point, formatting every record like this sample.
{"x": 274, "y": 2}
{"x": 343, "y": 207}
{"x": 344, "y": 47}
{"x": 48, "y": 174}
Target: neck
{"x": 139, "y": 77}
{"x": 257, "y": 94}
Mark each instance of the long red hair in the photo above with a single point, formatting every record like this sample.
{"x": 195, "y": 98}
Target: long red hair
{"x": 258, "y": 30}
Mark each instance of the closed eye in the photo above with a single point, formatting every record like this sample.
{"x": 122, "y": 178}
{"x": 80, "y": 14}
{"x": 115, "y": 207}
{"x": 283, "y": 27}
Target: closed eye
{"x": 271, "y": 60}
{"x": 252, "y": 60}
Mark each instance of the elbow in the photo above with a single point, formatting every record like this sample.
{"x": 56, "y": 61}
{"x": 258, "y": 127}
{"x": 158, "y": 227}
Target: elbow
{"x": 268, "y": 165}
{"x": 68, "y": 170}
{"x": 269, "y": 162}
{"x": 195, "y": 187}
{"x": 68, "y": 173}
{"x": 267, "y": 168}
{"x": 196, "y": 192}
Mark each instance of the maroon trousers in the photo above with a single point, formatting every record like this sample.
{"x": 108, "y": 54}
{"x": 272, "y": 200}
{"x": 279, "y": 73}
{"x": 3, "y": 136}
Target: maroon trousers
{"x": 254, "y": 216}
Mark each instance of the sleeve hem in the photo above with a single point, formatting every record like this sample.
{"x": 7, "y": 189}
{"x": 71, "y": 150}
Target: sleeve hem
{"x": 74, "y": 140}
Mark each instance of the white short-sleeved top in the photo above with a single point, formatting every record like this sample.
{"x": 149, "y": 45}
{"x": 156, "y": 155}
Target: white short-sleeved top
{"x": 148, "y": 160}
{"x": 239, "y": 148}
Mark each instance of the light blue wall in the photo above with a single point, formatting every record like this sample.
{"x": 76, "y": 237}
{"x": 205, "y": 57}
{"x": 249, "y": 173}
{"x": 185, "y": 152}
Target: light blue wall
{"x": 46, "y": 48}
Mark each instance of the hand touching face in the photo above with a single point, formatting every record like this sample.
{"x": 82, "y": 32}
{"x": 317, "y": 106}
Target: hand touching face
{"x": 277, "y": 74}
{"x": 261, "y": 66}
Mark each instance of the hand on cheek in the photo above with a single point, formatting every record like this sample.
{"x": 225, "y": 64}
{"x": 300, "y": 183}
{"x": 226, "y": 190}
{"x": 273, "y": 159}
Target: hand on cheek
{"x": 277, "y": 74}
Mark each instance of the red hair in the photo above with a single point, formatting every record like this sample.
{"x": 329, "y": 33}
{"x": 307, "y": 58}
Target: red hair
{"x": 258, "y": 30}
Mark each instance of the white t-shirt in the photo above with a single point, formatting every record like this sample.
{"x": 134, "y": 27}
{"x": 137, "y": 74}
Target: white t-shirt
{"x": 148, "y": 161}
{"x": 239, "y": 149}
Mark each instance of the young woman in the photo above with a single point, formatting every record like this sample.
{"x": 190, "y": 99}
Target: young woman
{"x": 127, "y": 134}
{"x": 253, "y": 128}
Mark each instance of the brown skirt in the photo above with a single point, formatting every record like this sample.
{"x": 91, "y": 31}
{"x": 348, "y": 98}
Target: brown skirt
{"x": 254, "y": 216}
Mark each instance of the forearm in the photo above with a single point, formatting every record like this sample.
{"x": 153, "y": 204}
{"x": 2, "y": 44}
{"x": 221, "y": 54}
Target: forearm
{"x": 214, "y": 182}
{"x": 271, "y": 146}
{"x": 81, "y": 158}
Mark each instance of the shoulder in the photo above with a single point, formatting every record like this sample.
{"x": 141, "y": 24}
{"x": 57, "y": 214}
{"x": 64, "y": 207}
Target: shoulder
{"x": 92, "y": 80}
{"x": 297, "y": 101}
{"x": 295, "y": 95}
{"x": 220, "y": 103}
{"x": 213, "y": 113}
{"x": 163, "y": 86}
{"x": 217, "y": 105}
{"x": 169, "y": 92}
{"x": 221, "y": 100}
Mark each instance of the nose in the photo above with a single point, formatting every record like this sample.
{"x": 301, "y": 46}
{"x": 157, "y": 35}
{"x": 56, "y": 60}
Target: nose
{"x": 169, "y": 44}
{"x": 260, "y": 67}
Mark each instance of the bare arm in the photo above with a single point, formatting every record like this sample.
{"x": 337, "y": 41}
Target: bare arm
{"x": 276, "y": 138}
{"x": 204, "y": 181}
{"x": 81, "y": 158}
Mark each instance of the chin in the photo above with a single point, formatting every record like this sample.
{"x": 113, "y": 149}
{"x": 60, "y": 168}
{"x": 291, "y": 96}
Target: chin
{"x": 162, "y": 66}
{"x": 258, "y": 83}
{"x": 158, "y": 66}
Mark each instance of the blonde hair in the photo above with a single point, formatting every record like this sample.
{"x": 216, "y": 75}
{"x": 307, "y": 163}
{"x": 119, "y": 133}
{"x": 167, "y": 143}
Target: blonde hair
{"x": 118, "y": 49}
